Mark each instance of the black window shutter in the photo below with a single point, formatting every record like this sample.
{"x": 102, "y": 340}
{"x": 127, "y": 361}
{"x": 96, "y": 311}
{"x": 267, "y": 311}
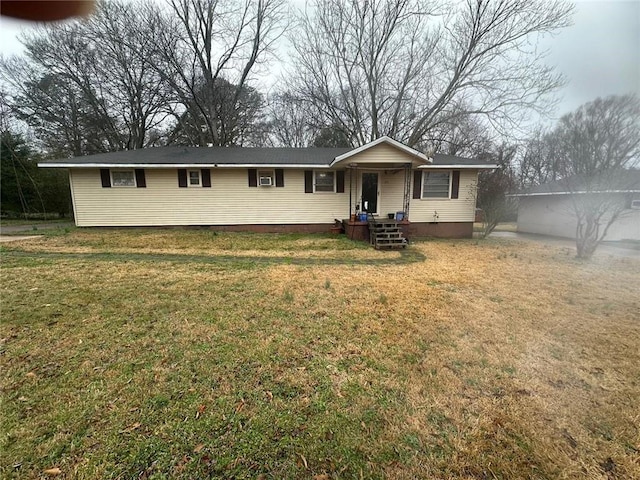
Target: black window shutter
{"x": 417, "y": 184}
{"x": 253, "y": 177}
{"x": 206, "y": 177}
{"x": 141, "y": 181}
{"x": 455, "y": 183}
{"x": 105, "y": 178}
{"x": 279, "y": 177}
{"x": 340, "y": 181}
{"x": 308, "y": 181}
{"x": 182, "y": 178}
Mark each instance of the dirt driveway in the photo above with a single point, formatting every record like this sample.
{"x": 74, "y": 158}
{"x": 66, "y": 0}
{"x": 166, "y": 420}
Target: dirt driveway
{"x": 618, "y": 249}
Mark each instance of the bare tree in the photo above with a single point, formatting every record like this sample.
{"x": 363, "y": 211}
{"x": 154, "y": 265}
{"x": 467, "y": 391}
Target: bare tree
{"x": 290, "y": 121}
{"x": 596, "y": 145}
{"x": 405, "y": 67}
{"x": 6, "y": 116}
{"x": 204, "y": 44}
{"x": 56, "y": 110}
{"x": 468, "y": 136}
{"x": 87, "y": 83}
{"x": 540, "y": 161}
{"x": 494, "y": 185}
{"x": 123, "y": 47}
{"x": 241, "y": 121}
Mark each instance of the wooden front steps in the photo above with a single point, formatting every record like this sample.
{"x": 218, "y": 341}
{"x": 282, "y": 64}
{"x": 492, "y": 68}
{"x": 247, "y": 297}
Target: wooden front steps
{"x": 385, "y": 234}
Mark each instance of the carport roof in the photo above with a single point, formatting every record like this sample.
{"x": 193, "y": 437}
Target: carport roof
{"x": 627, "y": 181}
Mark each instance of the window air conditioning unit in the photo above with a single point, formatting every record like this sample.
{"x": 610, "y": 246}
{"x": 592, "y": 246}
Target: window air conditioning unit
{"x": 266, "y": 181}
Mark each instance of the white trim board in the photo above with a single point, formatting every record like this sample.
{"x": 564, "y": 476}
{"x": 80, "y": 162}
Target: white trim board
{"x": 177, "y": 165}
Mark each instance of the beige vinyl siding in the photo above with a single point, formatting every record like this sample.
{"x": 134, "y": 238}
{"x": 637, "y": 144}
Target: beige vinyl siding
{"x": 390, "y": 188}
{"x": 382, "y": 153}
{"x": 461, "y": 209}
{"x": 230, "y": 201}
{"x": 391, "y": 199}
{"x": 391, "y": 191}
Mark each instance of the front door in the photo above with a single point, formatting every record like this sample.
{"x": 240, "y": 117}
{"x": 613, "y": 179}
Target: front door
{"x": 370, "y": 192}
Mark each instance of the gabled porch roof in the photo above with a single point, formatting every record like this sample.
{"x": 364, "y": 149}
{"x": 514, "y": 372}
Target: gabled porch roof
{"x": 351, "y": 157}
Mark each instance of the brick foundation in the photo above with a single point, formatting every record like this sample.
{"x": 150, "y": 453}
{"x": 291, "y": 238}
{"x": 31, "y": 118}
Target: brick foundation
{"x": 353, "y": 230}
{"x": 360, "y": 230}
{"x": 356, "y": 230}
{"x": 288, "y": 228}
{"x": 440, "y": 230}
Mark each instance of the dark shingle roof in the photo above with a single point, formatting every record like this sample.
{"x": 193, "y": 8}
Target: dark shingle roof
{"x": 442, "y": 159}
{"x": 626, "y": 181}
{"x": 230, "y": 156}
{"x": 211, "y": 155}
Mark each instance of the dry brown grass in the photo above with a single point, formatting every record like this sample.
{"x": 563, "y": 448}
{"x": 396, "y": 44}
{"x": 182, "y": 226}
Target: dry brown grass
{"x": 532, "y": 351}
{"x": 486, "y": 360}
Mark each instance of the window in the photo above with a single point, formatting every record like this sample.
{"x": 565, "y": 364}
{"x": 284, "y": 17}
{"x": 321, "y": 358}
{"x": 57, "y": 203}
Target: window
{"x": 436, "y": 184}
{"x": 123, "y": 178}
{"x": 265, "y": 178}
{"x": 325, "y": 182}
{"x": 635, "y": 204}
{"x": 194, "y": 178}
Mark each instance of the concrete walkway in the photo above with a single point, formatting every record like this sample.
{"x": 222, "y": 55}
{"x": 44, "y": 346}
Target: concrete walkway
{"x": 618, "y": 249}
{"x": 8, "y": 232}
{"x": 15, "y": 238}
{"x": 29, "y": 227}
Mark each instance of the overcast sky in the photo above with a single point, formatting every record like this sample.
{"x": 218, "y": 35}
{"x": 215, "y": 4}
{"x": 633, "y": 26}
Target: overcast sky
{"x": 599, "y": 54}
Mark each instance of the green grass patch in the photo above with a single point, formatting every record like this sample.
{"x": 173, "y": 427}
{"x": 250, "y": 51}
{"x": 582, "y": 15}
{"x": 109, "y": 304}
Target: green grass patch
{"x": 152, "y": 354}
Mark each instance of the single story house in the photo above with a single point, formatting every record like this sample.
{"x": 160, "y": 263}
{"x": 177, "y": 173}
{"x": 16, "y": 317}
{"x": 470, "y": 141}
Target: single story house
{"x": 548, "y": 209}
{"x": 274, "y": 189}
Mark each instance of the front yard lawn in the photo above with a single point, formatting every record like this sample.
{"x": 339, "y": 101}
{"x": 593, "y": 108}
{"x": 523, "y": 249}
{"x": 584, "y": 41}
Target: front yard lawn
{"x": 166, "y": 353}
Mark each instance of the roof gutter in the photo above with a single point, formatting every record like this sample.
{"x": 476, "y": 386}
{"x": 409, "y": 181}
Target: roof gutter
{"x": 449, "y": 167}
{"x": 177, "y": 165}
{"x": 233, "y": 165}
{"x": 580, "y": 192}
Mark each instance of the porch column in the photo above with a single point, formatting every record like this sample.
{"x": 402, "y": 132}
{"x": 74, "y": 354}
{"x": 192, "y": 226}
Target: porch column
{"x": 407, "y": 190}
